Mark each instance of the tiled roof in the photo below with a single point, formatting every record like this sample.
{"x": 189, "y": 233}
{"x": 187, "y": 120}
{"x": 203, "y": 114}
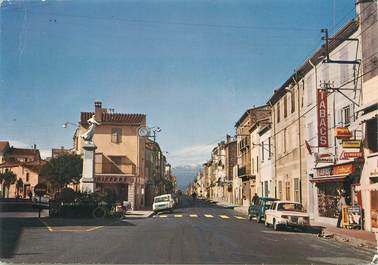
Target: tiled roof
{"x": 3, "y": 146}
{"x": 126, "y": 118}
{"x": 9, "y": 164}
{"x": 23, "y": 152}
{"x": 33, "y": 165}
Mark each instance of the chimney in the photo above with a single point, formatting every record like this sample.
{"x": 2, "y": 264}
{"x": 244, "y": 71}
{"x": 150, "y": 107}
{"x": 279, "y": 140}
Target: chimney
{"x": 34, "y": 146}
{"x": 98, "y": 110}
{"x": 228, "y": 137}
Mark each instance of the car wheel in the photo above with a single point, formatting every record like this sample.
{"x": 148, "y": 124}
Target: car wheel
{"x": 275, "y": 226}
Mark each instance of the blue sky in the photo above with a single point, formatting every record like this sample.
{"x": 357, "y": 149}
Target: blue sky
{"x": 193, "y": 67}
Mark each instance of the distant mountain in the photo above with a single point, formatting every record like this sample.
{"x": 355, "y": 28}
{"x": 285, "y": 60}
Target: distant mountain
{"x": 185, "y": 174}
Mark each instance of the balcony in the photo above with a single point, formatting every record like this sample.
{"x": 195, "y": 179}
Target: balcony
{"x": 104, "y": 165}
{"x": 244, "y": 171}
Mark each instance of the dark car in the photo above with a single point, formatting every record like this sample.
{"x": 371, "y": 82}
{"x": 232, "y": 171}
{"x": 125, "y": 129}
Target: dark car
{"x": 258, "y": 210}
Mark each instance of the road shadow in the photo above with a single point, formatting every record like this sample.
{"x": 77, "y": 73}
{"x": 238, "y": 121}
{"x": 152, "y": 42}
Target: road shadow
{"x": 85, "y": 222}
{"x": 10, "y": 233}
{"x": 11, "y": 229}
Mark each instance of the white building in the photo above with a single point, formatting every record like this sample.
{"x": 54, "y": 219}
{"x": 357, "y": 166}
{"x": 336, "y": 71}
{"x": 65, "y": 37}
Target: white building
{"x": 266, "y": 161}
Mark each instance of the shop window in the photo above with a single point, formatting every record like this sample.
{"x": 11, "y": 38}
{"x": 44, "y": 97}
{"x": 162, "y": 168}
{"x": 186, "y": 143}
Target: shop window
{"x": 328, "y": 197}
{"x": 116, "y": 135}
{"x": 285, "y": 106}
{"x": 296, "y": 190}
{"x": 372, "y": 135}
{"x": 287, "y": 190}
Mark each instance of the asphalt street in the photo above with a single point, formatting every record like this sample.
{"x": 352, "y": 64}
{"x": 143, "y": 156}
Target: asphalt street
{"x": 194, "y": 233}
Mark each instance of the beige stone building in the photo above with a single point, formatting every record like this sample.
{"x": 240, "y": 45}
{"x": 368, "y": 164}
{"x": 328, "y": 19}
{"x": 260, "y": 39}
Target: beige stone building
{"x": 25, "y": 163}
{"x": 290, "y": 179}
{"x": 368, "y": 113}
{"x": 244, "y": 182}
{"x": 258, "y": 151}
{"x": 120, "y": 153}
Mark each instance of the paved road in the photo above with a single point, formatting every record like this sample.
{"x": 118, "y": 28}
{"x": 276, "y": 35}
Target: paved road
{"x": 199, "y": 233}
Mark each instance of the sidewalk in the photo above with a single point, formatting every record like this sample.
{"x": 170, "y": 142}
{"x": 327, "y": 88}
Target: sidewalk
{"x": 237, "y": 208}
{"x": 357, "y": 238}
{"x": 139, "y": 214}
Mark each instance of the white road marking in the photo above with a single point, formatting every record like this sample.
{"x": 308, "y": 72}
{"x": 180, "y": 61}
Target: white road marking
{"x": 163, "y": 216}
{"x": 209, "y": 216}
{"x": 193, "y": 215}
{"x": 178, "y": 215}
{"x": 239, "y": 217}
{"x": 224, "y": 216}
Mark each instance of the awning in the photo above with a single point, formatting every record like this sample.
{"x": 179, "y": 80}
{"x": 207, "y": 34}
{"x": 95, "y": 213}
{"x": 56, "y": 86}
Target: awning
{"x": 334, "y": 178}
{"x": 247, "y": 177}
{"x": 114, "y": 179}
{"x": 363, "y": 118}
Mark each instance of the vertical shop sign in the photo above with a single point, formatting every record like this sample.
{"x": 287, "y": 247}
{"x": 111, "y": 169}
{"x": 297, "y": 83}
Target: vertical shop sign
{"x": 322, "y": 118}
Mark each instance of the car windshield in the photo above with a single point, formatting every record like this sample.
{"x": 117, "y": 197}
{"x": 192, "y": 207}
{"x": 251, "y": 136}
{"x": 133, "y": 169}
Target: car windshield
{"x": 268, "y": 203}
{"x": 293, "y": 207}
{"x": 161, "y": 199}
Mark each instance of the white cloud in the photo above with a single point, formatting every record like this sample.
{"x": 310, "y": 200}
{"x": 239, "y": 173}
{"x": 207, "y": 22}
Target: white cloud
{"x": 191, "y": 155}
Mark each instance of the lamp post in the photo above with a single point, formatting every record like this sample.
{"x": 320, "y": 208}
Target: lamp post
{"x": 65, "y": 125}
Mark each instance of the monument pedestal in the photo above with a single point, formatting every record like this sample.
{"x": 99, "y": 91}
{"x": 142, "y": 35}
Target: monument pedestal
{"x": 87, "y": 183}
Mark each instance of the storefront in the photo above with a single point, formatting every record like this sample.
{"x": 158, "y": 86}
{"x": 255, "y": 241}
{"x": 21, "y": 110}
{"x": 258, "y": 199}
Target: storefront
{"x": 118, "y": 184}
{"x": 331, "y": 181}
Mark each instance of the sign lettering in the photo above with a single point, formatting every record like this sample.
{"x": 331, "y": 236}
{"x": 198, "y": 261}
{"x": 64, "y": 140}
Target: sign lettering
{"x": 322, "y": 118}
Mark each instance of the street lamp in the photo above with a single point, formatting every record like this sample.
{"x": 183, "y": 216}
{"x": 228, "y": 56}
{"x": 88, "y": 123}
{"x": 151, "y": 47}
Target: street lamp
{"x": 65, "y": 125}
{"x": 154, "y": 131}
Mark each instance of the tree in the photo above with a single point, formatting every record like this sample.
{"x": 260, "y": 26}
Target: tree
{"x": 7, "y": 178}
{"x": 62, "y": 170}
{"x": 19, "y": 186}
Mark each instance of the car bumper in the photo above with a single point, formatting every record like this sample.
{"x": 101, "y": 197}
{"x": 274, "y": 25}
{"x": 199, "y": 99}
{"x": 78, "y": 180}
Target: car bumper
{"x": 162, "y": 208}
{"x": 289, "y": 223}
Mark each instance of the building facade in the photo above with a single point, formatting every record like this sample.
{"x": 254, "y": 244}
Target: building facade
{"x": 120, "y": 153}
{"x": 368, "y": 112}
{"x": 25, "y": 164}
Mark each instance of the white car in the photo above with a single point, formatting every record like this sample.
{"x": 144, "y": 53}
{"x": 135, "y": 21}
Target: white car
{"x": 164, "y": 202}
{"x": 286, "y": 214}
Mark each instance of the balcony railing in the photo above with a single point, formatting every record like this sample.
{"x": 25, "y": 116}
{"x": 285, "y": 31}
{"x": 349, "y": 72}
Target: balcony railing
{"x": 242, "y": 171}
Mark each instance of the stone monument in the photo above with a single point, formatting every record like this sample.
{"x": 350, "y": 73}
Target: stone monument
{"x": 87, "y": 183}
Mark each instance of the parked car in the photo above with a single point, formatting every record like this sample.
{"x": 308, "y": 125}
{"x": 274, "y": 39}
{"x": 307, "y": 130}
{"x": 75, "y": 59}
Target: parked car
{"x": 44, "y": 199}
{"x": 163, "y": 203}
{"x": 287, "y": 214}
{"x": 43, "y": 203}
{"x": 258, "y": 210}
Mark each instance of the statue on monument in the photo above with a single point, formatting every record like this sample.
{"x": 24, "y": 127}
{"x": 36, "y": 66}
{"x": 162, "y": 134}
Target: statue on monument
{"x": 88, "y": 135}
